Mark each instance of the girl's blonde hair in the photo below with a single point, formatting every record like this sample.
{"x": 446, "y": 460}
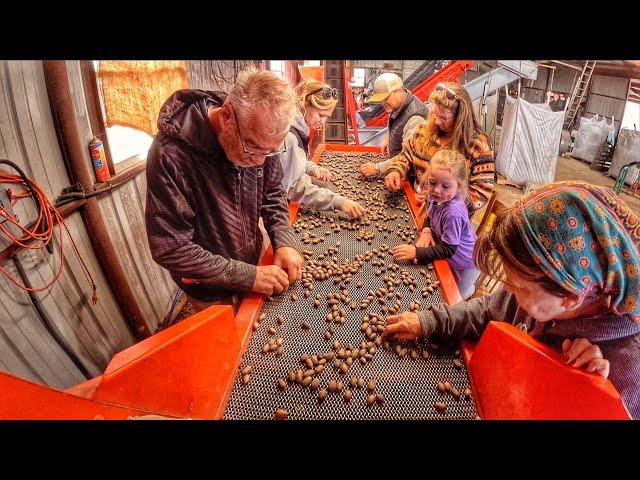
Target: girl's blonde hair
{"x": 456, "y": 164}
{"x": 315, "y": 100}
{"x": 466, "y": 124}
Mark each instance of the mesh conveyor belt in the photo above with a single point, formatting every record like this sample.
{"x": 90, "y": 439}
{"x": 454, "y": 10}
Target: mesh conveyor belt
{"x": 408, "y": 385}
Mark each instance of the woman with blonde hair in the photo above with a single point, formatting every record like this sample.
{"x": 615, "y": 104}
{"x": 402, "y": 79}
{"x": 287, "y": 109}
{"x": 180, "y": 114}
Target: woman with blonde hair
{"x": 316, "y": 102}
{"x": 451, "y": 124}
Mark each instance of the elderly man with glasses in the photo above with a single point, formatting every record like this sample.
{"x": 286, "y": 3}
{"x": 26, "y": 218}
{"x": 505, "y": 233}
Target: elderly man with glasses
{"x": 212, "y": 172}
{"x": 406, "y": 113}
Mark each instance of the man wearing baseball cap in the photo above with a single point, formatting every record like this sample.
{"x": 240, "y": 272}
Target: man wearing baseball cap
{"x": 406, "y": 113}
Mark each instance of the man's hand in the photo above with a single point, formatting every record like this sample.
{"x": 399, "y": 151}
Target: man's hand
{"x": 353, "y": 209}
{"x": 404, "y": 252}
{"x": 290, "y": 260}
{"x": 368, "y": 169}
{"x": 405, "y": 326}
{"x": 426, "y": 239}
{"x": 393, "y": 181}
{"x": 581, "y": 353}
{"x": 270, "y": 279}
{"x": 323, "y": 174}
{"x": 385, "y": 145}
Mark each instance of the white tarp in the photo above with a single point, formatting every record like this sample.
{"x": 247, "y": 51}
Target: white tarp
{"x": 627, "y": 151}
{"x": 590, "y": 136}
{"x": 529, "y": 142}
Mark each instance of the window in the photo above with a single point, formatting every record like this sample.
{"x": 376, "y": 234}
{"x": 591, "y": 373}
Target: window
{"x": 631, "y": 117}
{"x": 125, "y": 98}
{"x": 312, "y": 63}
{"x": 358, "y": 77}
{"x": 277, "y": 67}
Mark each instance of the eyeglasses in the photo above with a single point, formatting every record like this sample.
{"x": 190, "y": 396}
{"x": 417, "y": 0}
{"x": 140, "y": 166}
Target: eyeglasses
{"x": 248, "y": 153}
{"x": 450, "y": 94}
{"x": 327, "y": 93}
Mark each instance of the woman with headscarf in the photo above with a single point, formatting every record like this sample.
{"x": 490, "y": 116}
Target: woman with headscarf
{"x": 568, "y": 256}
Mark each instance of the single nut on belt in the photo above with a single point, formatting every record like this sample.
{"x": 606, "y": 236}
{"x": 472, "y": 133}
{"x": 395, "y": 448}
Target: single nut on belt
{"x": 266, "y": 348}
{"x": 455, "y": 392}
{"x": 372, "y": 385}
{"x": 457, "y": 364}
{"x": 467, "y": 393}
{"x": 305, "y": 326}
{"x": 353, "y": 382}
{"x": 307, "y": 381}
{"x": 261, "y": 317}
{"x": 272, "y": 331}
{"x": 441, "y": 387}
{"x": 282, "y": 384}
{"x": 333, "y": 386}
{"x": 315, "y": 384}
{"x": 441, "y": 407}
{"x": 425, "y": 354}
{"x": 247, "y": 369}
{"x": 308, "y": 373}
{"x": 347, "y": 395}
{"x": 380, "y": 398}
{"x": 322, "y": 394}
{"x": 281, "y": 414}
{"x": 246, "y": 378}
{"x": 279, "y": 351}
{"x": 279, "y": 320}
{"x": 291, "y": 377}
{"x": 371, "y": 399}
{"x": 447, "y": 386}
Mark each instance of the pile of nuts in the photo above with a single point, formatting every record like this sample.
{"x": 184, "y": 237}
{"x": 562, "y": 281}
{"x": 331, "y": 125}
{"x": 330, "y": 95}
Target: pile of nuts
{"x": 387, "y": 214}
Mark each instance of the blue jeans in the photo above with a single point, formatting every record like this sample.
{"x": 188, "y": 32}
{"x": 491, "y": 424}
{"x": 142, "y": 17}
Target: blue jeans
{"x": 466, "y": 280}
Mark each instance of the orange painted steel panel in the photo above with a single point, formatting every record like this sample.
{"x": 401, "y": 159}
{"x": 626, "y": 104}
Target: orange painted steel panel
{"x": 450, "y": 73}
{"x": 182, "y": 371}
{"x": 24, "y": 400}
{"x": 516, "y": 377}
{"x": 317, "y": 73}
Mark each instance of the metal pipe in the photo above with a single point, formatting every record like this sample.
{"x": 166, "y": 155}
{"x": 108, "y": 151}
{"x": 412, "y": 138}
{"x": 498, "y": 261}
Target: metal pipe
{"x": 55, "y": 73}
{"x": 567, "y": 65}
{"x": 46, "y": 321}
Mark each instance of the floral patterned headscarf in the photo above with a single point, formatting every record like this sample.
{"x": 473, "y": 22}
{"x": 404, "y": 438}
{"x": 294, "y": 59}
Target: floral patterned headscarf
{"x": 584, "y": 237}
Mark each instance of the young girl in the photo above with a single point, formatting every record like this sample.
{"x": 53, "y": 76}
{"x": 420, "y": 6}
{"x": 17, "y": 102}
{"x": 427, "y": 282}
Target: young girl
{"x": 448, "y": 232}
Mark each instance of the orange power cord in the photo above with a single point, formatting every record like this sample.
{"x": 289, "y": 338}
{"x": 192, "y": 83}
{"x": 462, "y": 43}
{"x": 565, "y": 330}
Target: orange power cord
{"x": 42, "y": 231}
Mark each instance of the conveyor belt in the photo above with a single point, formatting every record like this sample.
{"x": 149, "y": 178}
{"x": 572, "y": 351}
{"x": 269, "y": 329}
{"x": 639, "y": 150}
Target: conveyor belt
{"x": 407, "y": 383}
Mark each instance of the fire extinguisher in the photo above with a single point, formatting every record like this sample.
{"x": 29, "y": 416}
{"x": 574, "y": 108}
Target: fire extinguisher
{"x": 99, "y": 159}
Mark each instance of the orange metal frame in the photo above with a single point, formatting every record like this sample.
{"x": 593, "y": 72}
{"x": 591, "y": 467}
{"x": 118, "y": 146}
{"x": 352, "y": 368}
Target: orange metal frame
{"x": 450, "y": 73}
{"x": 189, "y": 369}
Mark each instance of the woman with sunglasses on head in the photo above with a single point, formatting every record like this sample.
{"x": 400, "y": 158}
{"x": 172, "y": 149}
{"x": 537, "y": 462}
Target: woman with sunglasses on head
{"x": 568, "y": 256}
{"x": 451, "y": 124}
{"x": 316, "y": 102}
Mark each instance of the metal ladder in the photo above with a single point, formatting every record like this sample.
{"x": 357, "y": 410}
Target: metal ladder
{"x": 578, "y": 93}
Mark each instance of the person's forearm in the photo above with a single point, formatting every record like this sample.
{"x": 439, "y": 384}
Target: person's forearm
{"x": 304, "y": 191}
{"x": 437, "y": 252}
{"x": 467, "y": 318}
{"x": 191, "y": 261}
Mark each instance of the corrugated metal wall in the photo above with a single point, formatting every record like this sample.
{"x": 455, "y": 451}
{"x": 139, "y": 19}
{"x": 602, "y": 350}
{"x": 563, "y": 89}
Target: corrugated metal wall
{"x": 123, "y": 212}
{"x": 608, "y": 97}
{"x": 95, "y": 333}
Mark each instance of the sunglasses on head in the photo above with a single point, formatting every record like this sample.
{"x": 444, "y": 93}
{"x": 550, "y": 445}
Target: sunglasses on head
{"x": 327, "y": 93}
{"x": 450, "y": 94}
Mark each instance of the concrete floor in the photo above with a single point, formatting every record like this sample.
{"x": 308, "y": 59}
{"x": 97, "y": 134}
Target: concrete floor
{"x": 569, "y": 168}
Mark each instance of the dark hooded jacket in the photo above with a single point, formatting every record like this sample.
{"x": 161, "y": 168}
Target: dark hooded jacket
{"x": 202, "y": 211}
